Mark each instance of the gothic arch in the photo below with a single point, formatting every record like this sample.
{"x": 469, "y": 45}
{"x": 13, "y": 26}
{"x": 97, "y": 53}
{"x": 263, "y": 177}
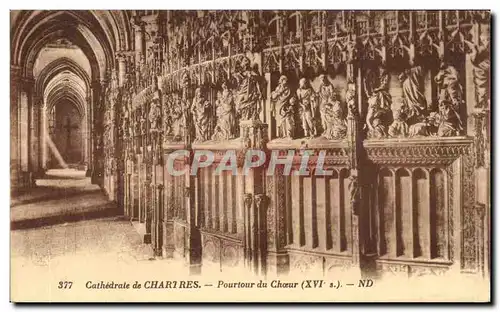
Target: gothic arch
{"x": 58, "y": 66}
{"x": 97, "y": 33}
{"x": 66, "y": 85}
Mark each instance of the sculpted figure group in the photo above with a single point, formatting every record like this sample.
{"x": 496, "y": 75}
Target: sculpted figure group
{"x": 319, "y": 112}
{"x": 413, "y": 117}
{"x": 306, "y": 112}
{"x": 205, "y": 120}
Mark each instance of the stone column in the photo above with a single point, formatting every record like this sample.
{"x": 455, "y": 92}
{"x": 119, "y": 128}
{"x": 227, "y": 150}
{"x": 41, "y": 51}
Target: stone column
{"x": 28, "y": 87}
{"x": 127, "y": 202}
{"x": 480, "y": 211}
{"x": 168, "y": 214}
{"x": 278, "y": 262}
{"x": 354, "y": 188}
{"x": 15, "y": 81}
{"x": 86, "y": 135}
{"x": 158, "y": 180}
{"x": 138, "y": 26}
{"x": 254, "y": 137}
{"x": 158, "y": 219}
{"x": 122, "y": 67}
{"x": 34, "y": 134}
{"x": 478, "y": 85}
{"x": 89, "y": 142}
{"x": 194, "y": 234}
{"x": 193, "y": 256}
{"x": 40, "y": 109}
{"x": 248, "y": 234}
{"x": 148, "y": 203}
{"x": 268, "y": 117}
{"x": 44, "y": 135}
{"x": 28, "y": 142}
{"x": 97, "y": 175}
{"x": 359, "y": 213}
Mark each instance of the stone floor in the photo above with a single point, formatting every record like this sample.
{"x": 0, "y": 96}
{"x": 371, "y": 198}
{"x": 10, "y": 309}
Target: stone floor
{"x": 82, "y": 221}
{"x": 64, "y": 195}
{"x": 67, "y": 227}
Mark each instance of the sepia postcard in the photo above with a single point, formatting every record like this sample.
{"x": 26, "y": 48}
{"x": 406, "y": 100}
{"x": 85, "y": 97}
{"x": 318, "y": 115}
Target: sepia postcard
{"x": 250, "y": 156}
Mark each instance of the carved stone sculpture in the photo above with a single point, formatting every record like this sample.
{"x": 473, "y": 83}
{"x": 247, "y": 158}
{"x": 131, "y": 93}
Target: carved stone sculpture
{"x": 155, "y": 116}
{"x": 350, "y": 97}
{"x": 354, "y": 191}
{"x": 167, "y": 114}
{"x": 334, "y": 123}
{"x": 286, "y": 128}
{"x": 305, "y": 96}
{"x": 143, "y": 124}
{"x": 425, "y": 127}
{"x": 201, "y": 109}
{"x": 379, "y": 114}
{"x": 137, "y": 126}
{"x": 248, "y": 95}
{"x": 414, "y": 100}
{"x": 181, "y": 112}
{"x": 280, "y": 97}
{"x": 480, "y": 58}
{"x": 226, "y": 120}
{"x": 448, "y": 120}
{"x": 326, "y": 95}
{"x": 377, "y": 129}
{"x": 399, "y": 127}
{"x": 449, "y": 87}
{"x": 177, "y": 117}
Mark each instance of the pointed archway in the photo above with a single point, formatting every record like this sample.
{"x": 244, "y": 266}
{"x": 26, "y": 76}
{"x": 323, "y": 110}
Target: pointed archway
{"x": 99, "y": 35}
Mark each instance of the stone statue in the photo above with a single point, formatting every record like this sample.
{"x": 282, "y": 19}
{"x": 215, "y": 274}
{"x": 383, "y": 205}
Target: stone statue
{"x": 177, "y": 116}
{"x": 305, "y": 97}
{"x": 379, "y": 114}
{"x": 286, "y": 128}
{"x": 155, "y": 116}
{"x": 137, "y": 125}
{"x": 125, "y": 122}
{"x": 480, "y": 58}
{"x": 167, "y": 114}
{"x": 399, "y": 127}
{"x": 354, "y": 192}
{"x": 377, "y": 129}
{"x": 226, "y": 121}
{"x": 425, "y": 127}
{"x": 143, "y": 72}
{"x": 124, "y": 128}
{"x": 248, "y": 95}
{"x": 413, "y": 94}
{"x": 350, "y": 97}
{"x": 185, "y": 106}
{"x": 449, "y": 87}
{"x": 326, "y": 93}
{"x": 143, "y": 124}
{"x": 335, "y": 125}
{"x": 201, "y": 110}
{"x": 449, "y": 123}
{"x": 280, "y": 97}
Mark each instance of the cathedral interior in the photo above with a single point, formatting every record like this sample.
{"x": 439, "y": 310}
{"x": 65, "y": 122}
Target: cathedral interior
{"x": 398, "y": 100}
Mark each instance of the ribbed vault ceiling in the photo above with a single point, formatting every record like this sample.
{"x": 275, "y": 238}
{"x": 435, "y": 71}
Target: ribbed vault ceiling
{"x": 66, "y": 86}
{"x": 99, "y": 34}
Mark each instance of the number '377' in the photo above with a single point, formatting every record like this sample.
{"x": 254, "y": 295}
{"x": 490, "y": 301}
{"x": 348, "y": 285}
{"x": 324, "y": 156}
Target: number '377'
{"x": 65, "y": 285}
